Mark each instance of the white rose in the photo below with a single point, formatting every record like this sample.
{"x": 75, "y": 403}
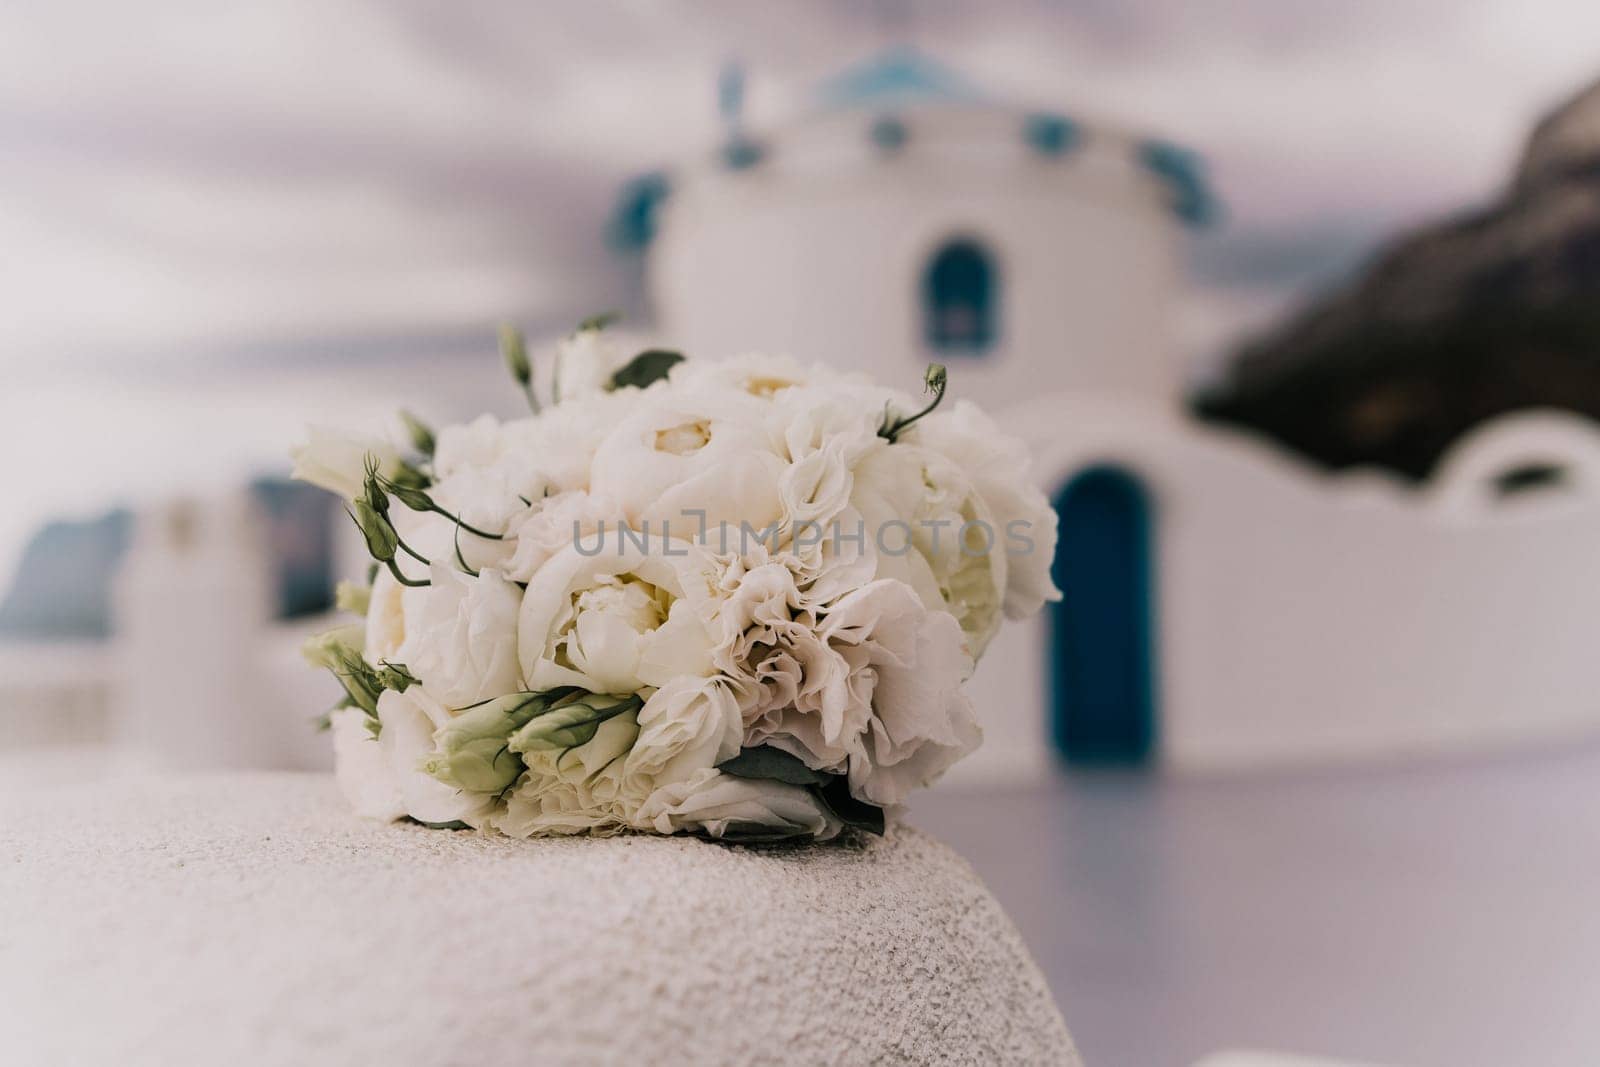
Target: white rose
{"x": 486, "y": 499}
{"x": 997, "y": 465}
{"x": 932, "y": 531}
{"x": 388, "y": 607}
{"x": 722, "y": 805}
{"x": 613, "y": 617}
{"x": 757, "y": 374}
{"x": 690, "y": 459}
{"x": 552, "y": 523}
{"x": 408, "y": 722}
{"x": 336, "y": 461}
{"x": 585, "y": 363}
{"x": 562, "y": 440}
{"x": 845, "y": 417}
{"x": 361, "y": 769}
{"x": 463, "y": 647}
{"x": 480, "y": 443}
{"x": 571, "y": 791}
{"x": 687, "y": 726}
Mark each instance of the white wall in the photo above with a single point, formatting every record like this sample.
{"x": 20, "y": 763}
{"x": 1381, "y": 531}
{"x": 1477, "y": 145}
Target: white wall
{"x": 820, "y": 251}
{"x": 1309, "y": 618}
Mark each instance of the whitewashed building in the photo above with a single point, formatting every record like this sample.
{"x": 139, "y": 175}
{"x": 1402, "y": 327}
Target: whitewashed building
{"x": 1226, "y": 606}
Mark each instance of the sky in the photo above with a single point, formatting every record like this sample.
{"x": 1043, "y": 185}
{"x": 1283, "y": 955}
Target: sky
{"x": 188, "y": 183}
{"x": 190, "y": 189}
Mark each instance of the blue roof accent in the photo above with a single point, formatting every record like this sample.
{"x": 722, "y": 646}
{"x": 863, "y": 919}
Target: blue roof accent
{"x": 633, "y": 220}
{"x": 741, "y": 153}
{"x": 896, "y": 77}
{"x": 1051, "y": 135}
{"x": 1183, "y": 172}
{"x": 888, "y": 133}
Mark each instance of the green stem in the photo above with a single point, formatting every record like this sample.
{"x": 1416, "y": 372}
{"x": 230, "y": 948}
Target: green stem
{"x": 467, "y": 526}
{"x": 400, "y": 577}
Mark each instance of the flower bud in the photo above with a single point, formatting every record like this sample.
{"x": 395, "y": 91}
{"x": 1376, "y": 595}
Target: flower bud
{"x": 411, "y": 497}
{"x": 395, "y": 676}
{"x": 328, "y": 648}
{"x": 375, "y": 497}
{"x": 515, "y": 351}
{"x": 382, "y": 541}
{"x": 352, "y": 597}
{"x": 410, "y": 477}
{"x": 934, "y": 380}
{"x": 573, "y": 723}
{"x": 471, "y": 751}
{"x": 421, "y": 434}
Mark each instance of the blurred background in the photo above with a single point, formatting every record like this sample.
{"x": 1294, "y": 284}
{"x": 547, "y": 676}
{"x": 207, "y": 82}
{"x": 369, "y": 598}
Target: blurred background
{"x": 1296, "y": 303}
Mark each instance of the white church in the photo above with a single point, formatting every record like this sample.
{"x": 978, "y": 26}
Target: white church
{"x": 1226, "y": 605}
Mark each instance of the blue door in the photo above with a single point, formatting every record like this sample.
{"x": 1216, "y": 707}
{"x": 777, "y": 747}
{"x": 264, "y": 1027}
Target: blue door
{"x": 1102, "y": 656}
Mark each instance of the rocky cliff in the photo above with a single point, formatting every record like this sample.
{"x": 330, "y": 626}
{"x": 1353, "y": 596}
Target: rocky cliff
{"x": 1449, "y": 325}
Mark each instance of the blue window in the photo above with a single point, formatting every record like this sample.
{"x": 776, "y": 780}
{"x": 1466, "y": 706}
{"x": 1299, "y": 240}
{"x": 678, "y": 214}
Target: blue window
{"x": 960, "y": 299}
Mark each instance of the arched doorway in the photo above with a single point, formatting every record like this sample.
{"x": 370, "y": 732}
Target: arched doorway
{"x": 1102, "y": 631}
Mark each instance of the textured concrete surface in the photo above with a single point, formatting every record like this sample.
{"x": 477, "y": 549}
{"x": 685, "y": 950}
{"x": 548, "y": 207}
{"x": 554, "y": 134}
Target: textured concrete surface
{"x": 252, "y": 920}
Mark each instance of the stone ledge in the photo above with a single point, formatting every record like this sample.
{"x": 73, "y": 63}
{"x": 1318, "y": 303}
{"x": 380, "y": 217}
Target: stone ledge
{"x": 250, "y": 919}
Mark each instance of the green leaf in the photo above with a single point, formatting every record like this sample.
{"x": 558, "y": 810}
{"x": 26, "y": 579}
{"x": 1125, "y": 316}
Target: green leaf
{"x": 648, "y": 366}
{"x": 598, "y": 322}
{"x": 754, "y": 833}
{"x": 836, "y": 797}
{"x": 764, "y": 761}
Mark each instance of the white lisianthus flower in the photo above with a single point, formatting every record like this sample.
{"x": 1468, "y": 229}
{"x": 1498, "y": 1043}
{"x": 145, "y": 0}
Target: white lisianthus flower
{"x": 997, "y": 466}
{"x": 766, "y": 644}
{"x": 362, "y": 769}
{"x": 881, "y": 695}
{"x": 408, "y": 722}
{"x": 724, "y": 806}
{"x": 555, "y": 522}
{"x": 336, "y": 461}
{"x": 585, "y": 362}
{"x": 614, "y": 616}
{"x": 909, "y": 663}
{"x": 463, "y": 647}
{"x": 572, "y": 791}
{"x": 690, "y": 459}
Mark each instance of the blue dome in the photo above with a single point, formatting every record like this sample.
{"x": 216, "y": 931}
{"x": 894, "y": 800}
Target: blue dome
{"x": 894, "y": 78}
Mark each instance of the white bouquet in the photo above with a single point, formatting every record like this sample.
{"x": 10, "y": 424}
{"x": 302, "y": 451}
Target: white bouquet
{"x": 737, "y": 599}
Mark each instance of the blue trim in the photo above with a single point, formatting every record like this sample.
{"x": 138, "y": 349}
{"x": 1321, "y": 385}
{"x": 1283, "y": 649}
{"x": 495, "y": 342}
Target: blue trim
{"x": 1051, "y": 135}
{"x": 740, "y": 152}
{"x": 896, "y": 77}
{"x": 1183, "y": 172}
{"x": 888, "y": 133}
{"x": 1103, "y": 676}
{"x": 633, "y": 221}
